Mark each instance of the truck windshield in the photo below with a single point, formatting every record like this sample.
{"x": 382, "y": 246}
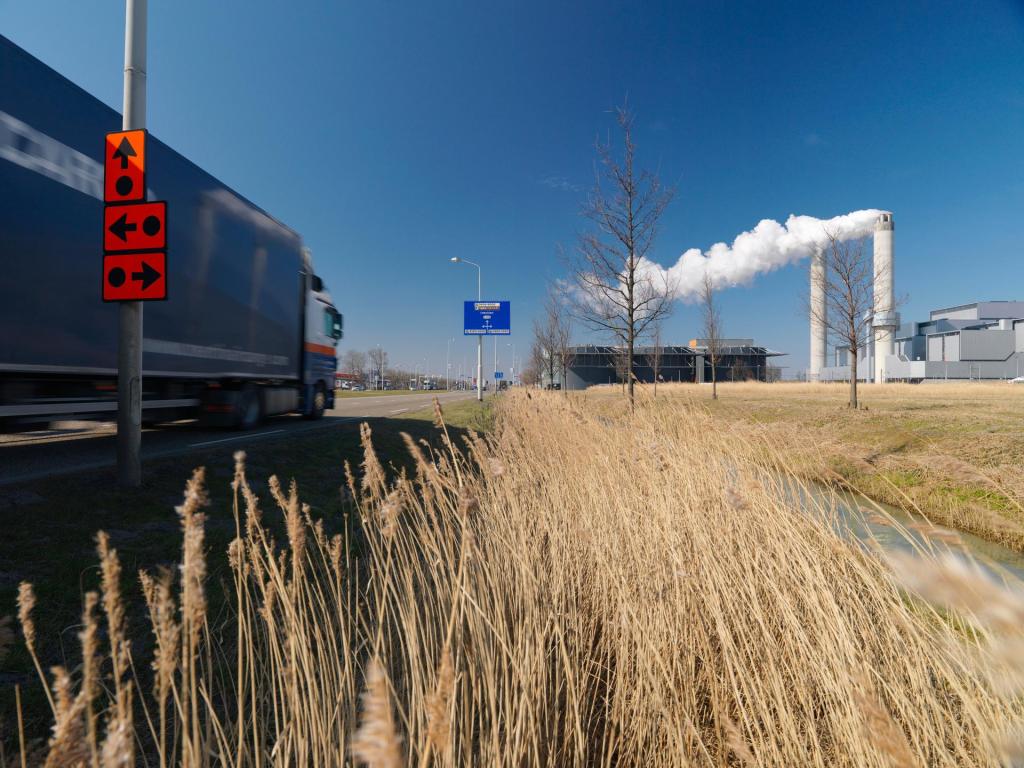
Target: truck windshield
{"x": 333, "y": 323}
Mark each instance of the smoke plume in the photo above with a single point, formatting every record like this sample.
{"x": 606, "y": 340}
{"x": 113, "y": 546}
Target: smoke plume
{"x": 768, "y": 246}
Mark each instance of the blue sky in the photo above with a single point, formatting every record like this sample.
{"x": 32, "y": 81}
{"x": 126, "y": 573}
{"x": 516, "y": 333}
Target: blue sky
{"x": 396, "y": 135}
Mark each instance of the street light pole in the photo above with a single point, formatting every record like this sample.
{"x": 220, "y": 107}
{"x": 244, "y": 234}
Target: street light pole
{"x": 448, "y": 365}
{"x": 129, "y": 347}
{"x": 479, "y": 338}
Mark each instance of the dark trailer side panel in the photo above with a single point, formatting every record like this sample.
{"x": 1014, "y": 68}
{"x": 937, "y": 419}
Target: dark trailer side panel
{"x": 235, "y": 275}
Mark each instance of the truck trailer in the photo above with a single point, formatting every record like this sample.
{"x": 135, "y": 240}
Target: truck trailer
{"x": 248, "y": 329}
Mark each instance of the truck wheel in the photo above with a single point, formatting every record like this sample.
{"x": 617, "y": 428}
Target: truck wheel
{"x": 319, "y": 402}
{"x": 250, "y": 410}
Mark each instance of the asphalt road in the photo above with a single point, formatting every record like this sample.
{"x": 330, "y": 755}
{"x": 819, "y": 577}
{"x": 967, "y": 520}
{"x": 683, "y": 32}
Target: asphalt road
{"x": 75, "y": 447}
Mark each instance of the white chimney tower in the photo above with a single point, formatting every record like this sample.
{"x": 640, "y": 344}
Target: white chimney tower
{"x": 886, "y": 320}
{"x": 819, "y": 330}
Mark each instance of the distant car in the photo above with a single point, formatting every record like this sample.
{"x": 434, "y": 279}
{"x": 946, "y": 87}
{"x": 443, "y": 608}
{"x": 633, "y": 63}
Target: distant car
{"x": 357, "y": 388}
{"x": 1018, "y": 380}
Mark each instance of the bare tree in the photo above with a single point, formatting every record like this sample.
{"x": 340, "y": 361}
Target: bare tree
{"x": 378, "y": 362}
{"x": 543, "y": 350}
{"x": 654, "y": 357}
{"x": 712, "y": 328}
{"x": 354, "y": 361}
{"x": 621, "y": 361}
{"x": 618, "y": 290}
{"x": 560, "y": 323}
{"x": 531, "y": 374}
{"x": 537, "y": 364}
{"x": 552, "y": 334}
{"x": 847, "y": 284}
{"x": 565, "y": 358}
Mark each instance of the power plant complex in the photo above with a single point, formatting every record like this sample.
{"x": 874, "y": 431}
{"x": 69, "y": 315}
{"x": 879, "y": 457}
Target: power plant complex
{"x": 981, "y": 340}
{"x": 977, "y": 341}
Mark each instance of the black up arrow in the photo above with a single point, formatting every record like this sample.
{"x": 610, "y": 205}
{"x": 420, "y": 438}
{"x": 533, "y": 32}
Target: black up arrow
{"x": 124, "y": 151}
{"x": 147, "y": 276}
{"x": 121, "y": 227}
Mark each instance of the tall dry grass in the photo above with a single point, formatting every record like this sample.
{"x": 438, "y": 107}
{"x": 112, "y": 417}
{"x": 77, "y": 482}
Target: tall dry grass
{"x": 954, "y": 452}
{"x": 578, "y": 589}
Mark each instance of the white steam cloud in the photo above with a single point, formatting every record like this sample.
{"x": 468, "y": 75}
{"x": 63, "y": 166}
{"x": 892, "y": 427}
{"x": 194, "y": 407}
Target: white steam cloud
{"x": 768, "y": 246}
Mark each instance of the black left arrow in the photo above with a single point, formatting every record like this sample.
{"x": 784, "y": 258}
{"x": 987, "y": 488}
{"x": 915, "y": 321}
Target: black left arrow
{"x": 147, "y": 276}
{"x": 124, "y": 151}
{"x": 121, "y": 227}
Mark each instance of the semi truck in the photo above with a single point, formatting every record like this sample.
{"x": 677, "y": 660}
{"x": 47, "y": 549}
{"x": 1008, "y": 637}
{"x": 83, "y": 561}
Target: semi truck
{"x": 248, "y": 329}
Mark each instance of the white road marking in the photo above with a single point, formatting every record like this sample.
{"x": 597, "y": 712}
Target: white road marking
{"x": 237, "y": 437}
{"x": 400, "y": 410}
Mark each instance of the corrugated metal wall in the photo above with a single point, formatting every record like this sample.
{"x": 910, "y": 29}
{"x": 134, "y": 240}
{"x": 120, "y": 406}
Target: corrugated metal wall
{"x": 963, "y": 313}
{"x": 952, "y": 347}
{"x": 987, "y": 345}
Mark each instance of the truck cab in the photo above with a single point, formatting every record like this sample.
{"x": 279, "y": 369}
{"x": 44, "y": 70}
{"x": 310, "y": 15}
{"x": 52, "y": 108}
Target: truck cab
{"x": 324, "y": 327}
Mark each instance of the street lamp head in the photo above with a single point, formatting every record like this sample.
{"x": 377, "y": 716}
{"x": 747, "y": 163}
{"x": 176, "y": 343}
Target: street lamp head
{"x": 455, "y": 259}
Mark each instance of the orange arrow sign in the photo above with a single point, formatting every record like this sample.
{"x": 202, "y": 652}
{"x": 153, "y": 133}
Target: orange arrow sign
{"x": 135, "y": 227}
{"x": 124, "y": 167}
{"x": 135, "y": 277}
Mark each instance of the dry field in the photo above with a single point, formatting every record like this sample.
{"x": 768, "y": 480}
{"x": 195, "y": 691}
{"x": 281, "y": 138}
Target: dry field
{"x": 584, "y": 587}
{"x": 952, "y": 451}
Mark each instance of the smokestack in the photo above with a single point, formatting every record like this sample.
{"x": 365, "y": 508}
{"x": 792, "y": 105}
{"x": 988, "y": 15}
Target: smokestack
{"x": 818, "y": 309}
{"x": 886, "y": 320}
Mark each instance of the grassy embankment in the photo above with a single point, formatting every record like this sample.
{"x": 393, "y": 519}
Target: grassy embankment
{"x": 585, "y": 587}
{"x": 953, "y": 452}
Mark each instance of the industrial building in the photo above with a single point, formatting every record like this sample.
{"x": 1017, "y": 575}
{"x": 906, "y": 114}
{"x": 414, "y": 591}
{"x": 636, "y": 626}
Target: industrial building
{"x": 738, "y": 360}
{"x": 983, "y": 340}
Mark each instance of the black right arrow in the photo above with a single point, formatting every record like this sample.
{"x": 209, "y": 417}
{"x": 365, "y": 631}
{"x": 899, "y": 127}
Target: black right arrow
{"x": 147, "y": 276}
{"x": 121, "y": 227}
{"x": 124, "y": 151}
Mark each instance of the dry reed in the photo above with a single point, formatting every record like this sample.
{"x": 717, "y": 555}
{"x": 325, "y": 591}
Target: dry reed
{"x": 577, "y": 589}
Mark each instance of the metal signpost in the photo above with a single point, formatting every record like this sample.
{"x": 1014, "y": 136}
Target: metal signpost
{"x": 486, "y": 318}
{"x": 134, "y": 243}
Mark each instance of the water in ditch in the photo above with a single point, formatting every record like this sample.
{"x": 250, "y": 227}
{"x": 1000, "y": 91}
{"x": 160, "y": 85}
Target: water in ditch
{"x": 896, "y": 530}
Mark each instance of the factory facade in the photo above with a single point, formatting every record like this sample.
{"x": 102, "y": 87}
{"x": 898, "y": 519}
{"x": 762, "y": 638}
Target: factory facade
{"x": 983, "y": 340}
{"x": 738, "y": 360}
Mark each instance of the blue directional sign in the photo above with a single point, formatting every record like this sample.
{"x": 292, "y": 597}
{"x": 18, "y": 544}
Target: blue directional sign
{"x": 499, "y": 374}
{"x": 487, "y": 318}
